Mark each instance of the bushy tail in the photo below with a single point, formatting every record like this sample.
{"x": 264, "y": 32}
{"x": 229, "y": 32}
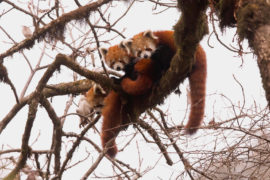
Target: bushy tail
{"x": 112, "y": 122}
{"x": 197, "y": 82}
{"x": 144, "y": 80}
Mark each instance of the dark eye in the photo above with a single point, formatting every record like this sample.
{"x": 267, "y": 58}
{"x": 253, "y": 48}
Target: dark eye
{"x": 148, "y": 49}
{"x": 139, "y": 53}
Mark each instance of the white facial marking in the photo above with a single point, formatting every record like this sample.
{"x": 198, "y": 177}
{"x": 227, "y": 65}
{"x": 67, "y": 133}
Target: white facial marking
{"x": 118, "y": 66}
{"x": 128, "y": 44}
{"x": 126, "y": 60}
{"x": 150, "y": 34}
{"x": 145, "y": 54}
{"x": 98, "y": 110}
{"x": 103, "y": 52}
{"x": 152, "y": 46}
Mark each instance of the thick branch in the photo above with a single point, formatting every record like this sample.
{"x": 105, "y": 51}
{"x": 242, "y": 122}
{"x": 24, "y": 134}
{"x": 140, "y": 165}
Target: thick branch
{"x": 189, "y": 31}
{"x": 50, "y": 91}
{"x": 75, "y": 145}
{"x": 57, "y": 133}
{"x": 155, "y": 136}
{"x": 26, "y": 151}
{"x": 253, "y": 23}
{"x": 105, "y": 82}
{"x": 262, "y": 50}
{"x": 59, "y": 60}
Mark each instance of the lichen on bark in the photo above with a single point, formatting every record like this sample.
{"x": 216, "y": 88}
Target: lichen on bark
{"x": 252, "y": 15}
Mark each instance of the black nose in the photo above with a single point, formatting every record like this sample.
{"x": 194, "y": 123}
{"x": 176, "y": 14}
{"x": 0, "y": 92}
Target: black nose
{"x": 145, "y": 56}
{"x": 118, "y": 68}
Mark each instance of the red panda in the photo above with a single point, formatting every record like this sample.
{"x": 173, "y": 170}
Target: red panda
{"x": 197, "y": 83}
{"x": 116, "y": 57}
{"x": 91, "y": 102}
{"x": 147, "y": 71}
{"x": 140, "y": 75}
{"x": 142, "y": 45}
{"x": 145, "y": 43}
{"x": 137, "y": 81}
{"x": 112, "y": 122}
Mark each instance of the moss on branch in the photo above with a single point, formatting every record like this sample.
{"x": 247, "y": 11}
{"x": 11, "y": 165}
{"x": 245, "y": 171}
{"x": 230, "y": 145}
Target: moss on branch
{"x": 250, "y": 16}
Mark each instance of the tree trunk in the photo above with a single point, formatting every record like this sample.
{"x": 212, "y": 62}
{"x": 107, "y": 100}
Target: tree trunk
{"x": 262, "y": 50}
{"x": 253, "y": 23}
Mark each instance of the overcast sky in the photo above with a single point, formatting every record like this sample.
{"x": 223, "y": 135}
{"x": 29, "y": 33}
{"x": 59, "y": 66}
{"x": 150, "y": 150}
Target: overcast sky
{"x": 222, "y": 65}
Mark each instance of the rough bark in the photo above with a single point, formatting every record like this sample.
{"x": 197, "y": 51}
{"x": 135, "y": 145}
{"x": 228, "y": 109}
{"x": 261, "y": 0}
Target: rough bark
{"x": 189, "y": 30}
{"x": 253, "y": 23}
{"x": 262, "y": 50}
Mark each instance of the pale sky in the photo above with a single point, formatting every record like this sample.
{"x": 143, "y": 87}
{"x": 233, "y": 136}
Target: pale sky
{"x": 222, "y": 65}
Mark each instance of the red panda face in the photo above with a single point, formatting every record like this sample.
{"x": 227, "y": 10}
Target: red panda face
{"x": 142, "y": 45}
{"x": 146, "y": 52}
{"x": 116, "y": 57}
{"x": 92, "y": 101}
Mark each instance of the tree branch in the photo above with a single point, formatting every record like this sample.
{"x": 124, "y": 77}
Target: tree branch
{"x": 189, "y": 31}
{"x": 57, "y": 133}
{"x": 155, "y": 136}
{"x": 26, "y": 151}
{"x": 55, "y": 29}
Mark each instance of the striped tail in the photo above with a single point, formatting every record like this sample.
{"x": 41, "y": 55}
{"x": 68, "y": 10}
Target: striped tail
{"x": 197, "y": 82}
{"x": 112, "y": 122}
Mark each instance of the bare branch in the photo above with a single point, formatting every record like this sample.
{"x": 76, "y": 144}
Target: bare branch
{"x": 155, "y": 136}
{"x": 26, "y": 151}
{"x": 54, "y": 30}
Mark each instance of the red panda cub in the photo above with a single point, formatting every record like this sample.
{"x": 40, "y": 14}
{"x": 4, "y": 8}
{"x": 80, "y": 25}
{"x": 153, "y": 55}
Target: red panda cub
{"x": 139, "y": 76}
{"x": 91, "y": 102}
{"x": 152, "y": 45}
{"x": 115, "y": 119}
{"x": 116, "y": 57}
{"x": 138, "y": 80}
{"x": 142, "y": 45}
{"x": 145, "y": 43}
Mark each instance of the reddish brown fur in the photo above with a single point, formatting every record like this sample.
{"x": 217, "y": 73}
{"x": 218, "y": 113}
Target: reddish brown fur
{"x": 115, "y": 53}
{"x": 114, "y": 117}
{"x": 94, "y": 98}
{"x": 197, "y": 82}
{"x": 112, "y": 122}
{"x": 197, "y": 78}
{"x": 144, "y": 80}
{"x": 140, "y": 40}
{"x": 166, "y": 38}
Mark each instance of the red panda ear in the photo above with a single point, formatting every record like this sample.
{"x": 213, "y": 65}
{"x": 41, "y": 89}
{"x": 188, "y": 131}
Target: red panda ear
{"x": 128, "y": 45}
{"x": 149, "y": 34}
{"x": 103, "y": 51}
{"x": 98, "y": 89}
{"x": 121, "y": 45}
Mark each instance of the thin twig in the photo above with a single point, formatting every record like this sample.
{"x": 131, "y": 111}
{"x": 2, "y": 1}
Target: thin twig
{"x": 155, "y": 136}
